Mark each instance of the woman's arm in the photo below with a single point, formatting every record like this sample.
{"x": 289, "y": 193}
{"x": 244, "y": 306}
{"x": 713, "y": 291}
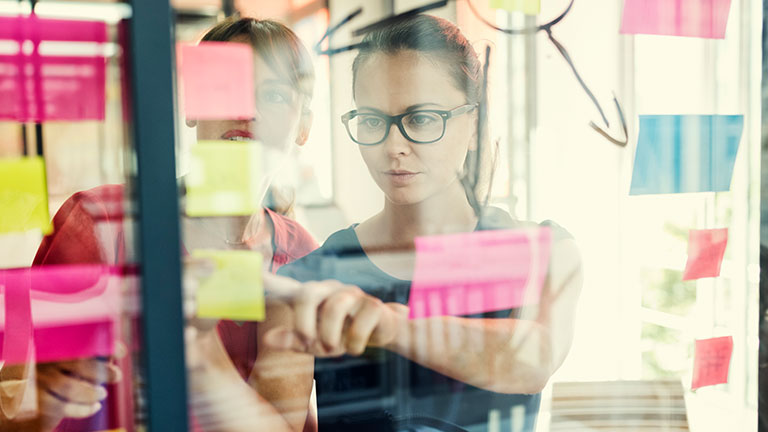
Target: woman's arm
{"x": 284, "y": 378}
{"x": 502, "y": 355}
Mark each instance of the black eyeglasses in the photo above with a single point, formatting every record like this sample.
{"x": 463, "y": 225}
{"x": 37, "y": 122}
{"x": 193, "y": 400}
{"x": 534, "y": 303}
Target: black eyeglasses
{"x": 421, "y": 126}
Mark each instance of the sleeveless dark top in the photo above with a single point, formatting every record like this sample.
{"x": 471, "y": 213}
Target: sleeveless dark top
{"x": 381, "y": 390}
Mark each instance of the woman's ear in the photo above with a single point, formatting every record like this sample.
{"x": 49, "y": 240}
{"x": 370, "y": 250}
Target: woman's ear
{"x": 191, "y": 123}
{"x": 305, "y": 124}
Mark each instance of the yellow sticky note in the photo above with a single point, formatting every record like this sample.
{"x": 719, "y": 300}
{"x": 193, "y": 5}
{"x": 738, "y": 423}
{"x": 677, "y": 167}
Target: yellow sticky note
{"x": 528, "y": 7}
{"x": 23, "y": 195}
{"x": 225, "y": 179}
{"x": 234, "y": 291}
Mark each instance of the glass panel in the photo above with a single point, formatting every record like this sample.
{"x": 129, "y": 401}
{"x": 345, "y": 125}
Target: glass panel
{"x": 69, "y": 278}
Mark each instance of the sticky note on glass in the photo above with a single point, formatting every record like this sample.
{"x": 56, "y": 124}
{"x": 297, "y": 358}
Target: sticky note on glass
{"x": 225, "y": 179}
{"x": 706, "y": 249}
{"x": 482, "y": 271}
{"x": 685, "y": 153}
{"x": 63, "y": 311}
{"x": 528, "y": 7}
{"x": 712, "y": 358}
{"x": 234, "y": 291}
{"x": 692, "y": 18}
{"x": 37, "y": 87}
{"x": 23, "y": 195}
{"x": 217, "y": 80}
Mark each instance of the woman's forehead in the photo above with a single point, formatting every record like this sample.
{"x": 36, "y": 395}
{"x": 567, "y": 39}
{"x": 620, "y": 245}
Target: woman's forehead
{"x": 393, "y": 82}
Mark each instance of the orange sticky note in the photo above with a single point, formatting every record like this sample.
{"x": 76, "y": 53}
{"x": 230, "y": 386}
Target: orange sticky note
{"x": 711, "y": 361}
{"x": 706, "y": 249}
{"x": 217, "y": 80}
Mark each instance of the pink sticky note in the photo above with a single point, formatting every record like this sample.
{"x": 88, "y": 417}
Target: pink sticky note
{"x": 693, "y": 18}
{"x": 68, "y": 311}
{"x": 482, "y": 271}
{"x": 706, "y": 249}
{"x": 711, "y": 361}
{"x": 35, "y": 87}
{"x": 217, "y": 80}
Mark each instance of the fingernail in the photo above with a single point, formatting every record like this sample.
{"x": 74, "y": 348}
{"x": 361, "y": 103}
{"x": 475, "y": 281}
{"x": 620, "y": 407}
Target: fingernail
{"x": 101, "y": 393}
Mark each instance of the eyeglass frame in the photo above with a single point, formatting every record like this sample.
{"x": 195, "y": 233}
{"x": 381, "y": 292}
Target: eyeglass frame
{"x": 398, "y": 120}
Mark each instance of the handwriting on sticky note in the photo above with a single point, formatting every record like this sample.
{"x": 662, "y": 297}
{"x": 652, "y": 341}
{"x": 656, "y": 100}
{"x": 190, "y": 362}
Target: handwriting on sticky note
{"x": 225, "y": 179}
{"x": 23, "y": 195}
{"x": 235, "y": 290}
{"x": 63, "y": 311}
{"x": 693, "y": 18}
{"x": 712, "y": 358}
{"x": 685, "y": 153}
{"x": 706, "y": 249}
{"x": 482, "y": 271}
{"x": 37, "y": 87}
{"x": 528, "y": 7}
{"x": 217, "y": 80}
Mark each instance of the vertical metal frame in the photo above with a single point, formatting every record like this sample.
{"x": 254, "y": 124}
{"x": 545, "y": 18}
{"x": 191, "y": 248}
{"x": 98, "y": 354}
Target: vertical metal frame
{"x": 762, "y": 389}
{"x": 152, "y": 67}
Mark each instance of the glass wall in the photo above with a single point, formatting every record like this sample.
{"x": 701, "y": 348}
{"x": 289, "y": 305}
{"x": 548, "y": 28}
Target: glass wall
{"x": 504, "y": 215}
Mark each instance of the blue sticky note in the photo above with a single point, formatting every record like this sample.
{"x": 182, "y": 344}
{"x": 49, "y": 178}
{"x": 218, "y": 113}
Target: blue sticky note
{"x": 685, "y": 153}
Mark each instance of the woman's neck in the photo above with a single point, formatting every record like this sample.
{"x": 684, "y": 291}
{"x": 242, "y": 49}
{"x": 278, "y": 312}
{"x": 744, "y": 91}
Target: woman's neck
{"x": 446, "y": 212}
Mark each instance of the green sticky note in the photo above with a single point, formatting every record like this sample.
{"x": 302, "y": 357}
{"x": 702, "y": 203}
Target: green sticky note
{"x": 225, "y": 179}
{"x": 528, "y": 7}
{"x": 234, "y": 291}
{"x": 23, "y": 195}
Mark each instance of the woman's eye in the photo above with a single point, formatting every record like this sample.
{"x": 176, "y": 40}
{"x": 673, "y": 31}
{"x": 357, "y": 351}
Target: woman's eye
{"x": 274, "y": 97}
{"x": 422, "y": 120}
{"x": 371, "y": 122}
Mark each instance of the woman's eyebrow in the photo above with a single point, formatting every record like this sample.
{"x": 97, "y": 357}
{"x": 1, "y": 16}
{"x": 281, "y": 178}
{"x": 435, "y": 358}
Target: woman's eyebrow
{"x": 410, "y": 108}
{"x": 275, "y": 81}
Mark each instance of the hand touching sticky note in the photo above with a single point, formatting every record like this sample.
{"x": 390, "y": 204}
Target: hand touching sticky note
{"x": 225, "y": 179}
{"x": 528, "y": 7}
{"x": 482, "y": 271}
{"x": 711, "y": 361}
{"x": 706, "y": 249}
{"x": 234, "y": 291}
{"x": 23, "y": 195}
{"x": 217, "y": 80}
{"x": 693, "y": 18}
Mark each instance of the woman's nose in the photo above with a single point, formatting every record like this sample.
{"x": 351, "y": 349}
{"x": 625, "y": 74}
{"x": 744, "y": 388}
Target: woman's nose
{"x": 396, "y": 144}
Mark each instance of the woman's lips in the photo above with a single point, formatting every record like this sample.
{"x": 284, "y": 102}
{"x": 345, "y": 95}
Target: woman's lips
{"x": 400, "y": 177}
{"x": 237, "y": 133}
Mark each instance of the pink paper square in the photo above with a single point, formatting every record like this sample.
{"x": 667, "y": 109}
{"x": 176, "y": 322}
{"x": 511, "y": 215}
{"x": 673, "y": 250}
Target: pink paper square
{"x": 217, "y": 80}
{"x": 483, "y": 271}
{"x": 37, "y": 88}
{"x": 64, "y": 312}
{"x": 692, "y": 18}
{"x": 706, "y": 249}
{"x": 711, "y": 362}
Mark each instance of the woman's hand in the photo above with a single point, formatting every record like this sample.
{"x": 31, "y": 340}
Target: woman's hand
{"x": 332, "y": 319}
{"x": 73, "y": 389}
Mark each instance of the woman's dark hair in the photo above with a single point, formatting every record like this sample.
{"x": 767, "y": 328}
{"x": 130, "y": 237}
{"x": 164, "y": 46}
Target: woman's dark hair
{"x": 278, "y": 45}
{"x": 442, "y": 41}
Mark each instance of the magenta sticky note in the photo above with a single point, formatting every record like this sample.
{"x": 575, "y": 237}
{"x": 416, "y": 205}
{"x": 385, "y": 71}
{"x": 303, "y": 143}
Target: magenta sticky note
{"x": 482, "y": 271}
{"x": 706, "y": 249}
{"x": 692, "y": 18}
{"x": 36, "y": 87}
{"x": 68, "y": 311}
{"x": 217, "y": 80}
{"x": 712, "y": 359}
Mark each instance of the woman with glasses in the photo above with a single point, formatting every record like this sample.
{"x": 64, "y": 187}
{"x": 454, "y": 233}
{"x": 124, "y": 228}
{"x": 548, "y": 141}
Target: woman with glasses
{"x": 417, "y": 85}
